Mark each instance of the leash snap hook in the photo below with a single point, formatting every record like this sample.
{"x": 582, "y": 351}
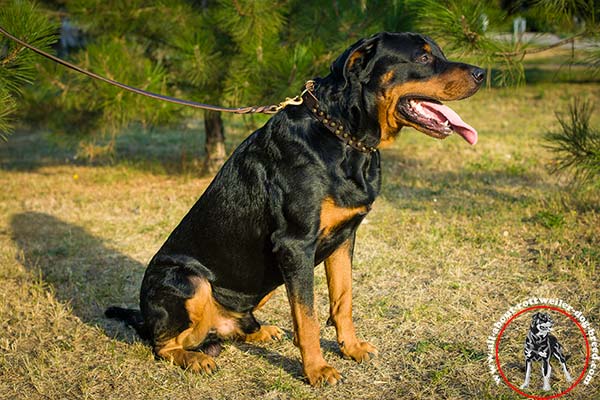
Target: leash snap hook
{"x": 289, "y": 101}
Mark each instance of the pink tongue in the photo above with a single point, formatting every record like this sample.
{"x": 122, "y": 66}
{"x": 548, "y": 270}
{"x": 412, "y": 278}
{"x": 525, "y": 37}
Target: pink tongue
{"x": 458, "y": 125}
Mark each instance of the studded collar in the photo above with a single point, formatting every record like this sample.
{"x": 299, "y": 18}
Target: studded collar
{"x": 333, "y": 125}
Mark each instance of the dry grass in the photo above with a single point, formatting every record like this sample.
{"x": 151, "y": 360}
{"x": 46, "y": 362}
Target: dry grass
{"x": 459, "y": 235}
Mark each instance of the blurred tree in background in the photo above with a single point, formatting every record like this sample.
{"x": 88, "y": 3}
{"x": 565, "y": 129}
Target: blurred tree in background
{"x": 242, "y": 52}
{"x": 222, "y": 52}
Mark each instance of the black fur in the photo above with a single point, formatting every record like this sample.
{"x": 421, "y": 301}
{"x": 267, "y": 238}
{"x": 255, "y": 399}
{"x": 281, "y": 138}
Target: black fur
{"x": 132, "y": 318}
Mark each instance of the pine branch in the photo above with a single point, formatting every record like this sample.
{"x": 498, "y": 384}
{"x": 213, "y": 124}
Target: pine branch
{"x": 473, "y": 37}
{"x": 7, "y": 108}
{"x": 17, "y": 66}
{"x": 524, "y": 52}
{"x": 10, "y": 57}
{"x": 577, "y": 145}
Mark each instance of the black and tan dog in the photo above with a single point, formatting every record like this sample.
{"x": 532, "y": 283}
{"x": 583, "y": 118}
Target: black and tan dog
{"x": 291, "y": 196}
{"x": 540, "y": 345}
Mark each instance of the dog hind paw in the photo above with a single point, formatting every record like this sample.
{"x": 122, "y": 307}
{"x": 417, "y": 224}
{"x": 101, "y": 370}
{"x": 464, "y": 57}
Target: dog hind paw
{"x": 199, "y": 362}
{"x": 569, "y": 378}
{"x": 267, "y": 333}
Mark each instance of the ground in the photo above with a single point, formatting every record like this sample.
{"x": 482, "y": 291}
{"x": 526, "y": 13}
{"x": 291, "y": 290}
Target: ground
{"x": 458, "y": 236}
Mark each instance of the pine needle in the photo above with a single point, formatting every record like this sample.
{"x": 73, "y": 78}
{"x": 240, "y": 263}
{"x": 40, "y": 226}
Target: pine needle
{"x": 577, "y": 145}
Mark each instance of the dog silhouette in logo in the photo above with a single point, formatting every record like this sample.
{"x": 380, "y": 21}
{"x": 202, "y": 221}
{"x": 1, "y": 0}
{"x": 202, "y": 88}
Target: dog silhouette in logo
{"x": 540, "y": 345}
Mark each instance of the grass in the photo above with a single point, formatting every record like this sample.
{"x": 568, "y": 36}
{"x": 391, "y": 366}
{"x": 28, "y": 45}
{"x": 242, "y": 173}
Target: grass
{"x": 458, "y": 235}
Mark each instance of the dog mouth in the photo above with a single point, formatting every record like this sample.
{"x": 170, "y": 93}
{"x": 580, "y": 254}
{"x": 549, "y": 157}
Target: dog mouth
{"x": 435, "y": 119}
{"x": 544, "y": 328}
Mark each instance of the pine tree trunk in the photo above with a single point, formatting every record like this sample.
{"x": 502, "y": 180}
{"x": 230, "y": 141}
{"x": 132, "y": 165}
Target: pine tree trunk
{"x": 215, "y": 141}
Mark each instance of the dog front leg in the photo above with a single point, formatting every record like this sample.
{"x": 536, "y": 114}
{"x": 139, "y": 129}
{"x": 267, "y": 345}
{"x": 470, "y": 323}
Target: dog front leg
{"x": 546, "y": 371}
{"x": 525, "y": 384}
{"x": 296, "y": 262}
{"x": 300, "y": 293}
{"x": 338, "y": 268}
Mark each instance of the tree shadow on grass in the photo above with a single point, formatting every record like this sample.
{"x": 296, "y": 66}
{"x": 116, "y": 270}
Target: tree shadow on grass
{"x": 85, "y": 273}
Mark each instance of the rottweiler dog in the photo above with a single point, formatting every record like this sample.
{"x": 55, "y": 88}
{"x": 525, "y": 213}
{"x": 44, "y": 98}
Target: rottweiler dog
{"x": 291, "y": 196}
{"x": 541, "y": 345}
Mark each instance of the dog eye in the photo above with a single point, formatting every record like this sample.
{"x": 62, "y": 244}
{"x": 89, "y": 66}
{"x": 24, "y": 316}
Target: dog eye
{"x": 424, "y": 58}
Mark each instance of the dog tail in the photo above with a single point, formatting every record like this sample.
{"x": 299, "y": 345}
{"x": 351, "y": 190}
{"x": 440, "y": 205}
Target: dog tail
{"x": 131, "y": 317}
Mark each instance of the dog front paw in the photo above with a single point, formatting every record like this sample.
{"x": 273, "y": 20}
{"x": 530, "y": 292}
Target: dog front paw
{"x": 524, "y": 385}
{"x": 359, "y": 351}
{"x": 322, "y": 374}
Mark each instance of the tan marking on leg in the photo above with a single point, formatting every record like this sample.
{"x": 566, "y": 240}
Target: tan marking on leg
{"x": 338, "y": 267}
{"x": 306, "y": 328}
{"x": 264, "y": 300}
{"x": 205, "y": 314}
{"x": 333, "y": 215}
{"x": 201, "y": 312}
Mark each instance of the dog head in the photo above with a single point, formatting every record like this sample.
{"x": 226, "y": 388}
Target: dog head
{"x": 541, "y": 324}
{"x": 392, "y": 80}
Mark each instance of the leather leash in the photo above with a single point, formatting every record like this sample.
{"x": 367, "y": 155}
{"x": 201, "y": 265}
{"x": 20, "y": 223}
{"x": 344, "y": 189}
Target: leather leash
{"x": 269, "y": 109}
{"x": 307, "y": 97}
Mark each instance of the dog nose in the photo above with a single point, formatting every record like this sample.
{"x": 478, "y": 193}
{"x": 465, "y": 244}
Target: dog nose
{"x": 478, "y": 74}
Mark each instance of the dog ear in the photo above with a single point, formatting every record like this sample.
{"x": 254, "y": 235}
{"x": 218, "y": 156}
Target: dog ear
{"x": 356, "y": 58}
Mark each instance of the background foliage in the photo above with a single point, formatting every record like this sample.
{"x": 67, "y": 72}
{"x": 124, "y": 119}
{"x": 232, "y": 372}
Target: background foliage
{"x": 239, "y": 52}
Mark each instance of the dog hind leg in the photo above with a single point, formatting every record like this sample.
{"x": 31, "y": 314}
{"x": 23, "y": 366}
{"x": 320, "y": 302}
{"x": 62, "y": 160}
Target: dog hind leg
{"x": 202, "y": 314}
{"x": 566, "y": 372}
{"x": 563, "y": 361}
{"x": 181, "y": 314}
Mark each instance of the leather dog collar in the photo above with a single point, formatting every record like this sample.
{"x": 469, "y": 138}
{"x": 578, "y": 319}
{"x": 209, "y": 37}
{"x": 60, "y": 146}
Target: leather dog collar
{"x": 333, "y": 125}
